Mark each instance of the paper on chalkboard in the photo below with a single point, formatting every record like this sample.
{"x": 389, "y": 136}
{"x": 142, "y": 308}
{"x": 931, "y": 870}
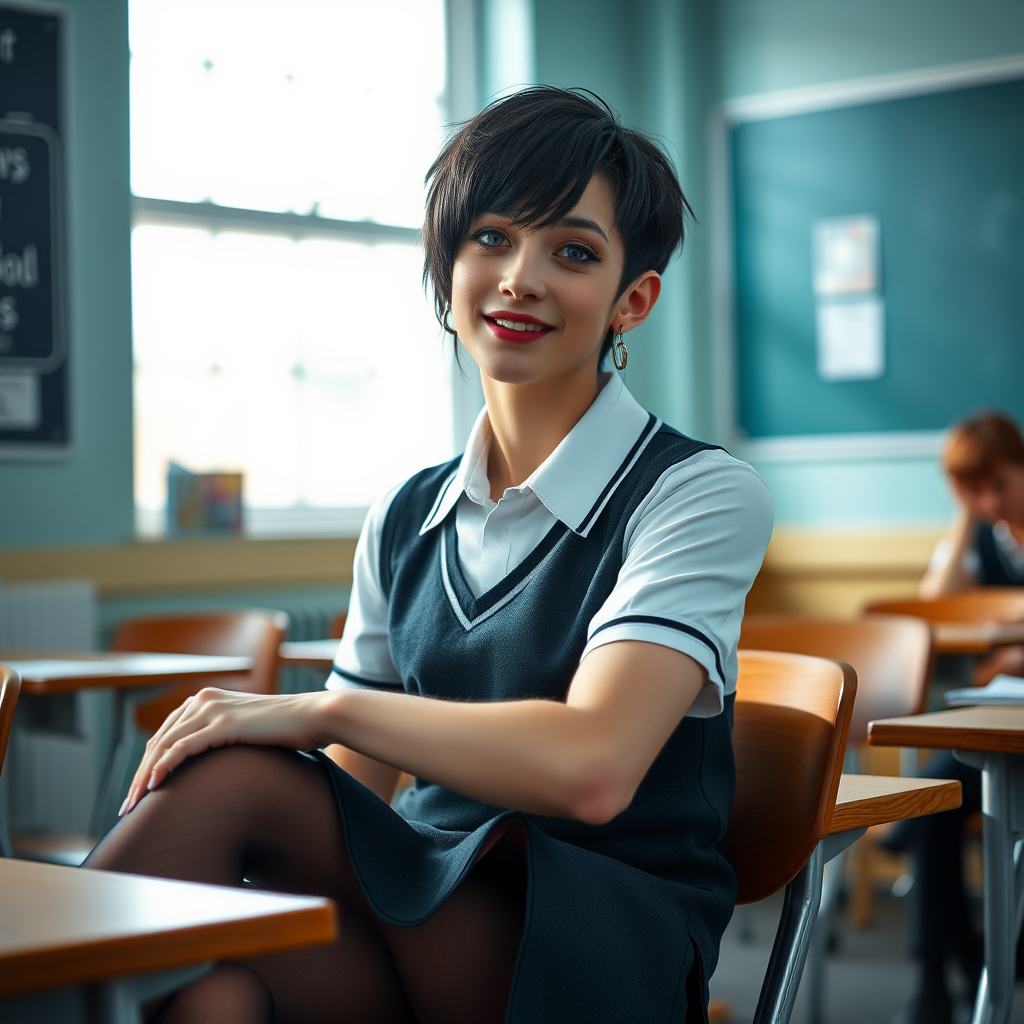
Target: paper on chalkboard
{"x": 851, "y": 339}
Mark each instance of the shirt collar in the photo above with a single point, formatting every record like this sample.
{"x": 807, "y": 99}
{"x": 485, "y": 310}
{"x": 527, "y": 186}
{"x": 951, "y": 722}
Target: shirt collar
{"x": 578, "y": 478}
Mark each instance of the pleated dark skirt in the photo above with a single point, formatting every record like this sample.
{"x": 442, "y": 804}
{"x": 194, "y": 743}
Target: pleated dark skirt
{"x": 603, "y": 941}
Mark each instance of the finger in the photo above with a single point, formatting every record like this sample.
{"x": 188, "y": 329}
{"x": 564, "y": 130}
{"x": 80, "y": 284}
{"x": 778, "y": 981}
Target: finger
{"x": 196, "y": 743}
{"x": 186, "y": 719}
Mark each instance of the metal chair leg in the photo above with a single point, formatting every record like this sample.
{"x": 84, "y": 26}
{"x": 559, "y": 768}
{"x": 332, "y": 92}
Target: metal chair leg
{"x": 831, "y": 885}
{"x": 792, "y": 941}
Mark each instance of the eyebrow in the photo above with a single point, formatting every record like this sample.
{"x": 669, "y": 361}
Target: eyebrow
{"x": 583, "y": 222}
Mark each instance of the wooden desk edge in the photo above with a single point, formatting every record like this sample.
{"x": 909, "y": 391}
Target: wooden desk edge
{"x": 104, "y": 959}
{"x": 938, "y": 795}
{"x": 946, "y": 737}
{"x": 75, "y": 684}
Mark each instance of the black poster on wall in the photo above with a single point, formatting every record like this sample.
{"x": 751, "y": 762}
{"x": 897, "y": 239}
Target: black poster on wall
{"x": 33, "y": 335}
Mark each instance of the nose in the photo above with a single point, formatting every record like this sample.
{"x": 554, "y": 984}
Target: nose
{"x": 523, "y": 276}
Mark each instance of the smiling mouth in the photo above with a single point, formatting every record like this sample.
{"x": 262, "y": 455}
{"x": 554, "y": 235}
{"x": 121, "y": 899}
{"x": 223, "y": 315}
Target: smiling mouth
{"x": 515, "y": 329}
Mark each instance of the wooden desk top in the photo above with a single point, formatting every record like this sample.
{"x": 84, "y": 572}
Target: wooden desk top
{"x": 975, "y": 637}
{"x": 974, "y": 728}
{"x": 66, "y": 926}
{"x": 866, "y": 800}
{"x": 318, "y": 653}
{"x": 45, "y": 672}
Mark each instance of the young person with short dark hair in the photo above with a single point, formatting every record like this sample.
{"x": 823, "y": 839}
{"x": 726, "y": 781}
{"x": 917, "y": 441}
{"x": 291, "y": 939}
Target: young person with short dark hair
{"x": 984, "y": 461}
{"x": 543, "y": 632}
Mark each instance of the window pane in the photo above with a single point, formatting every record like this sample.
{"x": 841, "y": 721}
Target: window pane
{"x": 328, "y": 106}
{"x": 314, "y": 366}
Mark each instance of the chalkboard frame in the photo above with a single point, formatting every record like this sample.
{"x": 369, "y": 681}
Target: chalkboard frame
{"x": 782, "y": 104}
{"x": 37, "y": 450}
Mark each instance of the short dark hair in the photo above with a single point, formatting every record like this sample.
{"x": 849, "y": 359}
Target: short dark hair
{"x": 532, "y": 155}
{"x": 977, "y": 446}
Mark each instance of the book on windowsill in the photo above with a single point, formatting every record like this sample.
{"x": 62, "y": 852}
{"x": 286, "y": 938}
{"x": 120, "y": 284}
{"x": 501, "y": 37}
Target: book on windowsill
{"x": 1003, "y": 690}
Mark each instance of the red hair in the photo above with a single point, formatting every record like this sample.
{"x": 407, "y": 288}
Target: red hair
{"x": 977, "y": 446}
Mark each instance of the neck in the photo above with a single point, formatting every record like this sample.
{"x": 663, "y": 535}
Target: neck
{"x": 528, "y": 421}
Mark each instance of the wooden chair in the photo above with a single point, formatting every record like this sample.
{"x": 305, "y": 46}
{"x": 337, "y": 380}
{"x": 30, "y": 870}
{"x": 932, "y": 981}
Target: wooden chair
{"x": 249, "y": 633}
{"x": 892, "y": 657}
{"x": 10, "y": 687}
{"x": 791, "y": 720}
{"x": 338, "y": 625}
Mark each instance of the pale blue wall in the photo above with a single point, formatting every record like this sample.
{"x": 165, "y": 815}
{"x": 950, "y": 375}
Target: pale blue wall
{"x": 87, "y": 497}
{"x": 649, "y": 60}
{"x": 664, "y": 64}
{"x": 764, "y": 45}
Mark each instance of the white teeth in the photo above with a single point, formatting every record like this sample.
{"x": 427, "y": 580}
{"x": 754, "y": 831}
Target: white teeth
{"x": 518, "y": 325}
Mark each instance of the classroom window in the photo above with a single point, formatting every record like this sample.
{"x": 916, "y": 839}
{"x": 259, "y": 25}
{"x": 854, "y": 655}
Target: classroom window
{"x": 280, "y": 324}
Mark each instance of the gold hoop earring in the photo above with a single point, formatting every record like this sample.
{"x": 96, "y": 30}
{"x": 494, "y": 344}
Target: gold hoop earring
{"x": 444, "y": 322}
{"x": 620, "y": 355}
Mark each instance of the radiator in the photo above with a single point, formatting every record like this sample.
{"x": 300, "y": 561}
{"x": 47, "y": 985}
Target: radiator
{"x": 50, "y": 776}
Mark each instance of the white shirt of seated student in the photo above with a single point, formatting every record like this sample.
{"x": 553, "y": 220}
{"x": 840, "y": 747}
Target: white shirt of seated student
{"x": 690, "y": 551}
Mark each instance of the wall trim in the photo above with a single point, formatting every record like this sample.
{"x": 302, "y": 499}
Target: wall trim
{"x": 855, "y": 91}
{"x": 910, "y": 444}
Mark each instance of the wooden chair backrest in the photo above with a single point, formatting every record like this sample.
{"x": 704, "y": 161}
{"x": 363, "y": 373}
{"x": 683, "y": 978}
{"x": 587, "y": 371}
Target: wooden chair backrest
{"x": 10, "y": 687}
{"x": 337, "y": 625}
{"x": 249, "y": 633}
{"x": 891, "y": 655}
{"x": 791, "y": 718}
{"x": 1004, "y": 603}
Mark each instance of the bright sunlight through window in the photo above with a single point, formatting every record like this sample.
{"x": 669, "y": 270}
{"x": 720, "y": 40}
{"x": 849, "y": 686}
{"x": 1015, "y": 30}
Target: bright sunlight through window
{"x": 280, "y": 326}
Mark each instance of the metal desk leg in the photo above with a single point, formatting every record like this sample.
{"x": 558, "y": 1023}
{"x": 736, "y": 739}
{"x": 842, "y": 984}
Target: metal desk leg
{"x": 108, "y": 796}
{"x": 121, "y": 1001}
{"x": 1002, "y": 804}
{"x": 983, "y": 1000}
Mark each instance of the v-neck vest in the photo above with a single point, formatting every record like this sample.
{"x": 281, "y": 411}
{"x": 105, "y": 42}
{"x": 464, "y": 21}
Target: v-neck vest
{"x": 618, "y": 915}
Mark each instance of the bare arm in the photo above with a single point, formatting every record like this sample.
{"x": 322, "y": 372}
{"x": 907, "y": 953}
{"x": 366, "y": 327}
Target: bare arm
{"x": 951, "y": 577}
{"x": 582, "y": 759}
{"x": 374, "y": 775}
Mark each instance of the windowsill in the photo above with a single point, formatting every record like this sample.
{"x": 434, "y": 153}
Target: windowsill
{"x": 301, "y": 523}
{"x": 167, "y": 565}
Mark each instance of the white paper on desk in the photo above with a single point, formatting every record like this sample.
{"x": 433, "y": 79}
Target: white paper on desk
{"x": 851, "y": 339}
{"x": 1003, "y": 690}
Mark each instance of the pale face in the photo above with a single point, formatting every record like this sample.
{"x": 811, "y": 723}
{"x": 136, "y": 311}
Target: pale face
{"x": 532, "y": 303}
{"x": 997, "y": 497}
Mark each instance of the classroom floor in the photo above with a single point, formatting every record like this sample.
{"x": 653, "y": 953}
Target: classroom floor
{"x": 869, "y": 978}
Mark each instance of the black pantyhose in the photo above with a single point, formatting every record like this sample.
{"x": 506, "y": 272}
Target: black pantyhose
{"x": 269, "y": 815}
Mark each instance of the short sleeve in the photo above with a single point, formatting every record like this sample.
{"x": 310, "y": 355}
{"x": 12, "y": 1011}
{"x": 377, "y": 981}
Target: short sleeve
{"x": 363, "y": 658}
{"x": 944, "y": 552}
{"x": 690, "y": 554}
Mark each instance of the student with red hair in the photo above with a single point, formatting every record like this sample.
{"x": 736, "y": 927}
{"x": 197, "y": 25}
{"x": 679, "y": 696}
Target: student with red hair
{"x": 984, "y": 547}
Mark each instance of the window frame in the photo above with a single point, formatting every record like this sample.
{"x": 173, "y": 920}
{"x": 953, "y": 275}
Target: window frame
{"x": 459, "y": 101}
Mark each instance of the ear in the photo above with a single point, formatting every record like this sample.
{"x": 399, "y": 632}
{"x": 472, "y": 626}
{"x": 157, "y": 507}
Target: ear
{"x": 637, "y": 301}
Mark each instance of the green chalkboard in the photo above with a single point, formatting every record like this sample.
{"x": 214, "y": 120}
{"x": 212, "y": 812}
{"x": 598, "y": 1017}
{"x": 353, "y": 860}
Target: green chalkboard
{"x": 944, "y": 175}
{"x": 34, "y": 378}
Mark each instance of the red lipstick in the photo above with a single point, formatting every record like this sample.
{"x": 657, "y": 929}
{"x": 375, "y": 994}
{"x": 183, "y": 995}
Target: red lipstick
{"x": 523, "y": 336}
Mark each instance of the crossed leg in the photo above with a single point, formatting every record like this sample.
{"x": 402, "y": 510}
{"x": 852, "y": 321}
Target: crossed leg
{"x": 269, "y": 815}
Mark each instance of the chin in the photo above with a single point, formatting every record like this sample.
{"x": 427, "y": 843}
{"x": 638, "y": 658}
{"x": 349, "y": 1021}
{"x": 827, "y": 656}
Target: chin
{"x": 513, "y": 371}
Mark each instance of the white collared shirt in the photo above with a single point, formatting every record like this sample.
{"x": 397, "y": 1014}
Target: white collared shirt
{"x": 690, "y": 552}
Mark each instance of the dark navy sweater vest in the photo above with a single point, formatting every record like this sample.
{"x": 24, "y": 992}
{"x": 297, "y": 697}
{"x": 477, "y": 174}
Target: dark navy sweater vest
{"x": 995, "y": 569}
{"x": 618, "y": 914}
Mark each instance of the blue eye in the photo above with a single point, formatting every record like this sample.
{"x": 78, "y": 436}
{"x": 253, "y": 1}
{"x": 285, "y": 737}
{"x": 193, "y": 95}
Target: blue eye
{"x": 489, "y": 238}
{"x": 577, "y": 253}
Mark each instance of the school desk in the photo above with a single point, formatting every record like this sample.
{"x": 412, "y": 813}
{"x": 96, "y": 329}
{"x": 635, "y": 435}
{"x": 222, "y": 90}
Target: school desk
{"x": 134, "y": 678}
{"x": 310, "y": 653}
{"x": 81, "y": 946}
{"x": 992, "y": 739}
